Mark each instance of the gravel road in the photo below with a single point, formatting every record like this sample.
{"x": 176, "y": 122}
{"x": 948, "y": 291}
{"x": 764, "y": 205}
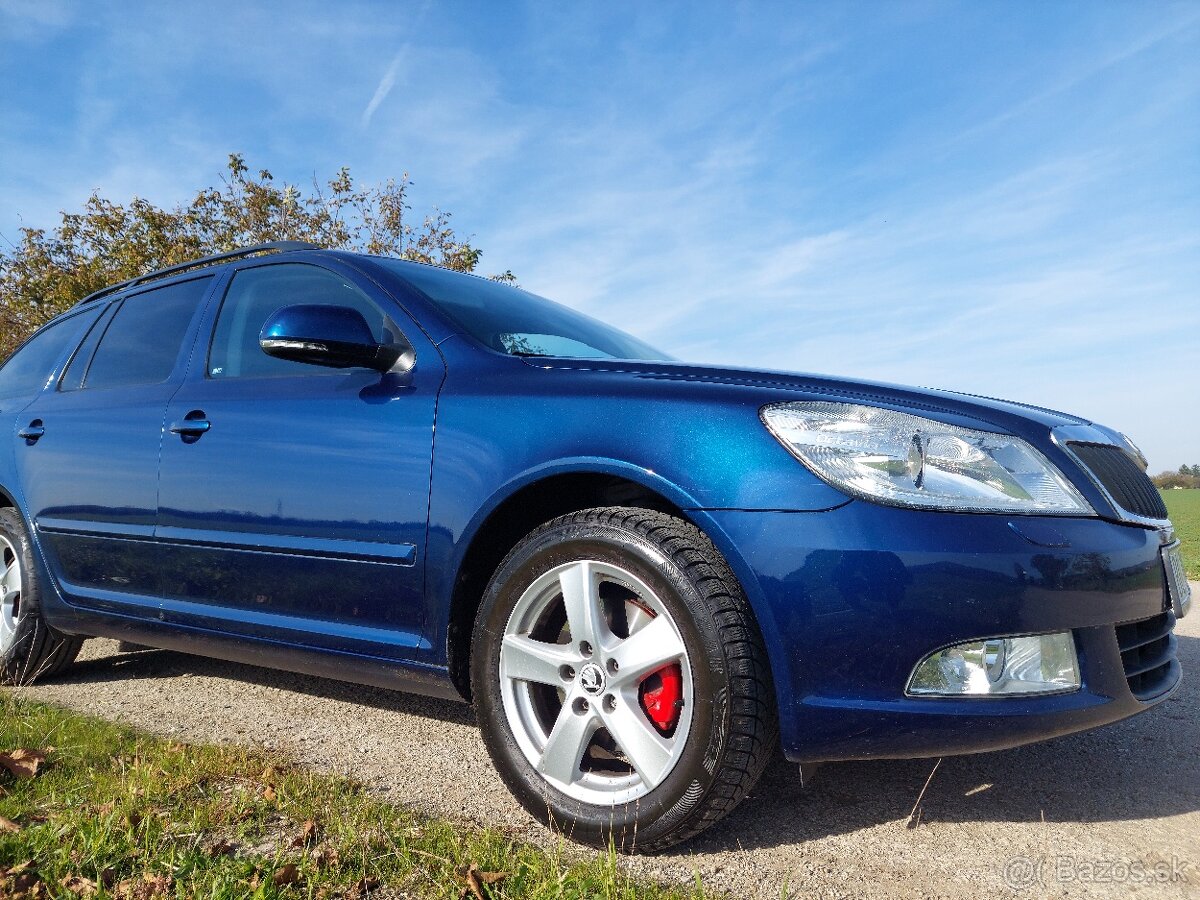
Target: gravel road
{"x": 1084, "y": 813}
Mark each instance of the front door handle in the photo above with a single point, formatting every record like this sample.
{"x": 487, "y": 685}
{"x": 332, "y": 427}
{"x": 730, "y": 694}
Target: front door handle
{"x": 193, "y": 425}
{"x": 32, "y": 431}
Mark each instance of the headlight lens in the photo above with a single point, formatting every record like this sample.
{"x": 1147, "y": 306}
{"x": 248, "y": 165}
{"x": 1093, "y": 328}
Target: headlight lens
{"x": 907, "y": 460}
{"x": 1040, "y": 664}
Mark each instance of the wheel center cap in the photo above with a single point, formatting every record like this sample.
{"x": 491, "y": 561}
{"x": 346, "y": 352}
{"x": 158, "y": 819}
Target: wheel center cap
{"x": 591, "y": 678}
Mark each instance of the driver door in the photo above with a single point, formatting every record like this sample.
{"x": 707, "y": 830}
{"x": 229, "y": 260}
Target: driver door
{"x": 298, "y": 512}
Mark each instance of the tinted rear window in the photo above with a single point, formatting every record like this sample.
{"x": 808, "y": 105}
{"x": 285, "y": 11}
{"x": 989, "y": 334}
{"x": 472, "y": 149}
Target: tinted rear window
{"x": 142, "y": 343}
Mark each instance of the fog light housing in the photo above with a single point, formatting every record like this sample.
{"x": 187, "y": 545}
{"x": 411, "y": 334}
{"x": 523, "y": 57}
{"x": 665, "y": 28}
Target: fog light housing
{"x": 996, "y": 667}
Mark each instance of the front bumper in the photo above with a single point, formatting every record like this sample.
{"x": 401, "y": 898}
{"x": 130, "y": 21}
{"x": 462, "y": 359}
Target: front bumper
{"x": 850, "y": 600}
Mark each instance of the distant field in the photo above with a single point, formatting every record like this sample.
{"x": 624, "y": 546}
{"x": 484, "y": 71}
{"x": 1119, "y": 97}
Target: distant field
{"x": 1184, "y": 507}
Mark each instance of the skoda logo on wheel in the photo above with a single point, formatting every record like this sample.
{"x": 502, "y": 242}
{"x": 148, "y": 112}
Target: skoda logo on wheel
{"x": 591, "y": 678}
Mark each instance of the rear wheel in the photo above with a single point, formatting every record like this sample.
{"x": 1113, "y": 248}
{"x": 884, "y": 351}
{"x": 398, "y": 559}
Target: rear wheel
{"x": 29, "y": 648}
{"x": 622, "y": 683}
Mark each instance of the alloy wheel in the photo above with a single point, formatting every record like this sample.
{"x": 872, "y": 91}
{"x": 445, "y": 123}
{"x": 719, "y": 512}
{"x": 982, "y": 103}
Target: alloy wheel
{"x": 596, "y": 682}
{"x": 10, "y": 594}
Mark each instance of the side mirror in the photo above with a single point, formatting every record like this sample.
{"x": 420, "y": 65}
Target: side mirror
{"x": 334, "y": 336}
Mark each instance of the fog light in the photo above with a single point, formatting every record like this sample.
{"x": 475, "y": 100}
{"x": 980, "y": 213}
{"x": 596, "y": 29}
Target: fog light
{"x": 1039, "y": 664}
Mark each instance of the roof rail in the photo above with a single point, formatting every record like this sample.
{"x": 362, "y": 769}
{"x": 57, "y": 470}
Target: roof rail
{"x": 269, "y": 247}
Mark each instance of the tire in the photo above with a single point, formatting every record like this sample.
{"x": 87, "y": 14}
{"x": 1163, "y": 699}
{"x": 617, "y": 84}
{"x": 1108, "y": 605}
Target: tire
{"x": 29, "y": 648}
{"x": 653, "y": 772}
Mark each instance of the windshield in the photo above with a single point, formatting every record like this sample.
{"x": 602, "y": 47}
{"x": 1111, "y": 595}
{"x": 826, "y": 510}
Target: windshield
{"x": 513, "y": 321}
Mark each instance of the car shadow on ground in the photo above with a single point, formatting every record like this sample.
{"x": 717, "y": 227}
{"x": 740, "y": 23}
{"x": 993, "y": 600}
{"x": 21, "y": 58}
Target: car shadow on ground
{"x": 150, "y": 663}
{"x": 1143, "y": 767}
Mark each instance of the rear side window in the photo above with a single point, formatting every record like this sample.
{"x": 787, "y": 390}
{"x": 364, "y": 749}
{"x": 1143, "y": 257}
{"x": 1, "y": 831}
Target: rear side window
{"x": 72, "y": 378}
{"x": 143, "y": 340}
{"x": 27, "y": 371}
{"x": 257, "y": 294}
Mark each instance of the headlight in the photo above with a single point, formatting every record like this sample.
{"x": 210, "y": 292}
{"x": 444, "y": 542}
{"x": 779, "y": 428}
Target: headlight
{"x": 907, "y": 460}
{"x": 1040, "y": 664}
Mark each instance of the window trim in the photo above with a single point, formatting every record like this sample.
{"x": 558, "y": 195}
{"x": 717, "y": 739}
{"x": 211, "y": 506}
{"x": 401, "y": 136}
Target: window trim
{"x": 108, "y": 309}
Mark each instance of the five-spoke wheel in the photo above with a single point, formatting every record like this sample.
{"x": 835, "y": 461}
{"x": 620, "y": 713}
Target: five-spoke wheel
{"x": 621, "y": 680}
{"x": 580, "y": 650}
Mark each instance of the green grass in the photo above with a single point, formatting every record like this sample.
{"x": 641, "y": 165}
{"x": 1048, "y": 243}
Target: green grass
{"x": 121, "y": 808}
{"x": 1184, "y": 507}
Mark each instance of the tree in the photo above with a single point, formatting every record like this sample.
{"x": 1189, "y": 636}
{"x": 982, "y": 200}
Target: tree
{"x": 47, "y": 272}
{"x": 1181, "y": 479}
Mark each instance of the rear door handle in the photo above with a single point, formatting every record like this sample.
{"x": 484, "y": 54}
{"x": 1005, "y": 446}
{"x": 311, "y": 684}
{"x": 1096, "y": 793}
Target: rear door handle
{"x": 32, "y": 431}
{"x": 193, "y": 425}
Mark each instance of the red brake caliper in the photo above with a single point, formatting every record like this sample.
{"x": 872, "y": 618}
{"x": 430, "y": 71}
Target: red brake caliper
{"x": 661, "y": 696}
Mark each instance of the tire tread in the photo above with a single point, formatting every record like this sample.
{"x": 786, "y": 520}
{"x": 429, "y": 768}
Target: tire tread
{"x": 753, "y": 722}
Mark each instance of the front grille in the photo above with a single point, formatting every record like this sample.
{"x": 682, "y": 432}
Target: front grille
{"x": 1123, "y": 478}
{"x": 1148, "y": 655}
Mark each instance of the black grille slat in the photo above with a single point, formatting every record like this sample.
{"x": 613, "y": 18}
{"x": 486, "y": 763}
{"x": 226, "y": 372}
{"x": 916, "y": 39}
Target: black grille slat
{"x": 1137, "y": 634}
{"x": 1148, "y": 655}
{"x": 1123, "y": 478}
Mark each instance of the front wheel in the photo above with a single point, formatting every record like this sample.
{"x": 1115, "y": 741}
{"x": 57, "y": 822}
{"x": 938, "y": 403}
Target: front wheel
{"x": 622, "y": 684}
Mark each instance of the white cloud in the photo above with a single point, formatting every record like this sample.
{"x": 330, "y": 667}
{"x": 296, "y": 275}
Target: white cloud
{"x": 386, "y": 83}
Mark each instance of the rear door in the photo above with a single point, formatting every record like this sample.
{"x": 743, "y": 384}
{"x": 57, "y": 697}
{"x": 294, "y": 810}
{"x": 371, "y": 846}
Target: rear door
{"x": 90, "y": 472}
{"x": 296, "y": 511}
{"x": 24, "y": 375}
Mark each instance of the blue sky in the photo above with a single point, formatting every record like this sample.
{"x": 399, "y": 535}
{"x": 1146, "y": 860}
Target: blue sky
{"x": 1001, "y": 198}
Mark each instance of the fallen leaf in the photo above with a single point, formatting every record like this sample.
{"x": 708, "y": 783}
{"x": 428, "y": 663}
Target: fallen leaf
{"x": 473, "y": 880}
{"x": 22, "y": 883}
{"x": 363, "y": 887}
{"x": 79, "y": 886}
{"x": 325, "y": 857}
{"x": 288, "y": 874}
{"x": 145, "y": 888}
{"x": 269, "y": 794}
{"x": 221, "y": 847}
{"x": 308, "y": 834}
{"x": 24, "y": 762}
{"x": 8, "y": 825}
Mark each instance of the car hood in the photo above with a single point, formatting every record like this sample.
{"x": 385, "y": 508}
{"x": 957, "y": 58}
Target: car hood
{"x": 958, "y": 408}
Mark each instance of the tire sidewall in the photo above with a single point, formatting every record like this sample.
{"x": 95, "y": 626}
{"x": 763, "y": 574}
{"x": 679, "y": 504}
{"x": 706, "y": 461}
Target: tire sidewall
{"x": 654, "y": 815}
{"x": 15, "y": 660}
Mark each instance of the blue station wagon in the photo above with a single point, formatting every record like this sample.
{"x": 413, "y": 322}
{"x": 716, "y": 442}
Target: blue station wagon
{"x": 647, "y": 576}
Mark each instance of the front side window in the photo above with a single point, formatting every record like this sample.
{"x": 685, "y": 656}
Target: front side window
{"x": 142, "y": 342}
{"x": 258, "y": 293}
{"x": 27, "y": 371}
